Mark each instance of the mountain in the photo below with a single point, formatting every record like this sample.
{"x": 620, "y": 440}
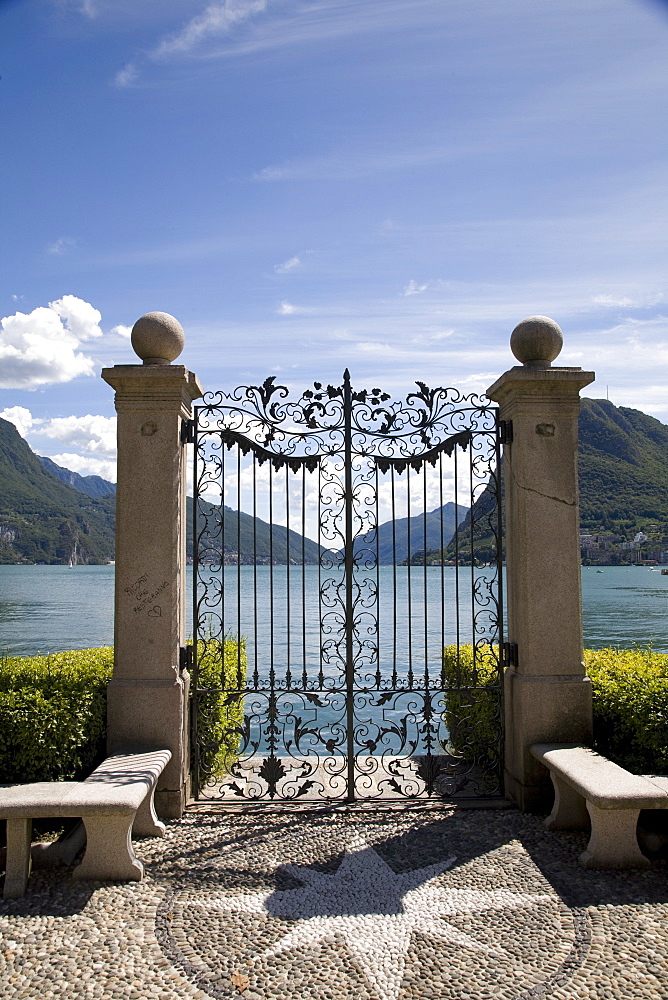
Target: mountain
{"x": 623, "y": 469}
{"x": 209, "y": 545}
{"x": 92, "y": 486}
{"x": 49, "y": 516}
{"x": 622, "y": 478}
{"x": 440, "y": 526}
{"x": 42, "y": 520}
{"x": 623, "y": 475}
{"x": 257, "y": 541}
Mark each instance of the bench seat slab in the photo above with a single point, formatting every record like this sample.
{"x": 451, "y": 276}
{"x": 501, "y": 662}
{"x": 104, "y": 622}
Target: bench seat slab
{"x": 36, "y": 800}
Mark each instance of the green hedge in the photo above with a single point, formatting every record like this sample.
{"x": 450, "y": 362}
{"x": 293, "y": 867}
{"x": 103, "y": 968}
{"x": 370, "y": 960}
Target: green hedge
{"x": 472, "y": 706}
{"x": 630, "y": 696}
{"x": 53, "y": 714}
{"x": 630, "y": 692}
{"x": 222, "y": 673}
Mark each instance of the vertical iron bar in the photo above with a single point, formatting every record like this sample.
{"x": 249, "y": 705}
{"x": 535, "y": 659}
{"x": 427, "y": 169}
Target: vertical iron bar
{"x": 499, "y": 584}
{"x": 223, "y": 638}
{"x": 442, "y": 568}
{"x": 471, "y": 544}
{"x": 256, "y": 674}
{"x": 348, "y": 501}
{"x": 424, "y": 571}
{"x": 378, "y": 665}
{"x": 288, "y": 676}
{"x": 427, "y": 694}
{"x": 408, "y": 584}
{"x": 442, "y": 539}
{"x": 394, "y": 580}
{"x": 304, "y": 674}
{"x": 457, "y": 617}
{"x": 272, "y": 675}
{"x": 196, "y": 625}
{"x": 239, "y": 674}
{"x": 321, "y": 676}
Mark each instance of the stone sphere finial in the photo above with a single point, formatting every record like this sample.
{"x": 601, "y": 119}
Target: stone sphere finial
{"x": 536, "y": 341}
{"x": 157, "y": 338}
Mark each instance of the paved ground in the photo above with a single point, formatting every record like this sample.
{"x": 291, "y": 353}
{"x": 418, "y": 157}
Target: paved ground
{"x": 385, "y": 905}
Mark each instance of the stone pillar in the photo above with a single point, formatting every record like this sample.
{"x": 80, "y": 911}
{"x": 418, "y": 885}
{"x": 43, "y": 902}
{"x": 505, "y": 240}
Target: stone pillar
{"x": 147, "y": 696}
{"x": 547, "y": 693}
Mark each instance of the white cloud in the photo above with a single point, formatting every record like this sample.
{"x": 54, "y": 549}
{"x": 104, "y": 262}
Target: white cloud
{"x": 122, "y": 331}
{"x": 625, "y": 302}
{"x": 215, "y": 20}
{"x": 92, "y": 434}
{"x": 41, "y": 347}
{"x": 88, "y": 443}
{"x": 286, "y": 309}
{"x": 88, "y": 8}
{"x": 304, "y": 23}
{"x": 412, "y": 288}
{"x": 288, "y": 265}
{"x": 85, "y": 465}
{"x": 127, "y": 75}
{"x": 80, "y": 317}
{"x": 61, "y": 246}
{"x": 22, "y": 418}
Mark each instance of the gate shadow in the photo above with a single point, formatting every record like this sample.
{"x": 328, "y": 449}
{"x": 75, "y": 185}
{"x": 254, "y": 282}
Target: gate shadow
{"x": 406, "y": 840}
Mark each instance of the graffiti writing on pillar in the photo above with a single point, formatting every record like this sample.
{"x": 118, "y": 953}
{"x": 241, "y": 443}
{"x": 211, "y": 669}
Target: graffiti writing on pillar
{"x": 144, "y": 594}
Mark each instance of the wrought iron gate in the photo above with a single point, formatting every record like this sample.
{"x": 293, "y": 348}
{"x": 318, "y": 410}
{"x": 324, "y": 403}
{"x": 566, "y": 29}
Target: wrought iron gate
{"x": 347, "y": 595}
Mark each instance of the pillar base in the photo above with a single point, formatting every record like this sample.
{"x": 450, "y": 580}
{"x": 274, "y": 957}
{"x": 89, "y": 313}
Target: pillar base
{"x": 171, "y": 803}
{"x": 529, "y": 798}
{"x": 150, "y": 715}
{"x": 541, "y": 709}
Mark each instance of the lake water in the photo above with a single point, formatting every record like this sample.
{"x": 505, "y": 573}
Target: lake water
{"x": 50, "y": 608}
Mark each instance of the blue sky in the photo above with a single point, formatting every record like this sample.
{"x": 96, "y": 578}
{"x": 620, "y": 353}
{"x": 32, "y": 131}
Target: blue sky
{"x": 309, "y": 185}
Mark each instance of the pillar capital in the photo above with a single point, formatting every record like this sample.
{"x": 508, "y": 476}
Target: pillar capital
{"x": 539, "y": 384}
{"x": 162, "y": 387}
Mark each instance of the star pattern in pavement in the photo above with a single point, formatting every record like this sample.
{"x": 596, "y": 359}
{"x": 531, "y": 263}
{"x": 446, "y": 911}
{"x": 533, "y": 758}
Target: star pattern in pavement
{"x": 375, "y": 910}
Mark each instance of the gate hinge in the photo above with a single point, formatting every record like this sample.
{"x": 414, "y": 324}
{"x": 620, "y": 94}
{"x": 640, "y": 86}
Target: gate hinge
{"x": 185, "y": 658}
{"x": 187, "y": 432}
{"x": 505, "y": 431}
{"x": 510, "y": 654}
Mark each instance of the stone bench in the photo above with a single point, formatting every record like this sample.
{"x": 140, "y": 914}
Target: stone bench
{"x": 114, "y": 802}
{"x": 591, "y": 790}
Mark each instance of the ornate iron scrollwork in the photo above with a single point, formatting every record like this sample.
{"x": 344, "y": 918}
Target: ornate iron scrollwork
{"x": 344, "y": 719}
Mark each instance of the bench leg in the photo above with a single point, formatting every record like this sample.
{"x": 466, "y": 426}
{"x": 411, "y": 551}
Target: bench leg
{"x": 569, "y": 811}
{"x": 613, "y": 842}
{"x": 19, "y": 834}
{"x": 146, "y": 822}
{"x": 109, "y": 853}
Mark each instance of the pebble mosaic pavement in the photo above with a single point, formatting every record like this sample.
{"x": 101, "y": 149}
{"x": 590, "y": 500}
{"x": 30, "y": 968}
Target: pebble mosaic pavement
{"x": 345, "y": 905}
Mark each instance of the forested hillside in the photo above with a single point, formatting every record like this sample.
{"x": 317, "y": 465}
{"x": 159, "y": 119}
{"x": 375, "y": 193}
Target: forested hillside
{"x": 48, "y": 515}
{"x": 622, "y": 475}
{"x": 92, "y": 486}
{"x": 221, "y": 532}
{"x": 43, "y": 520}
{"x": 623, "y": 469}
